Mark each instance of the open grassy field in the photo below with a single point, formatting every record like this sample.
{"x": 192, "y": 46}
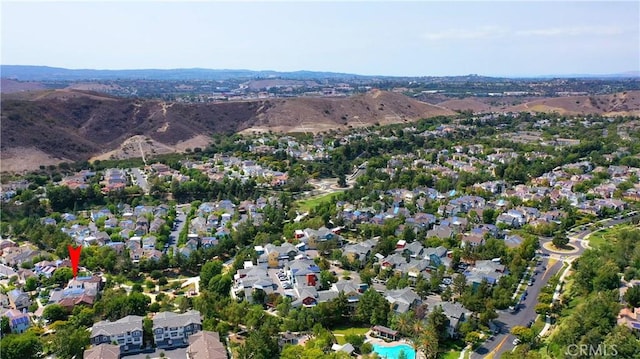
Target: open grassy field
{"x": 307, "y": 204}
{"x": 341, "y": 334}
{"x": 607, "y": 235}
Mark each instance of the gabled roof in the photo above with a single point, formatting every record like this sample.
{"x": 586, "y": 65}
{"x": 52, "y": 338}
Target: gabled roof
{"x": 170, "y": 319}
{"x": 206, "y": 345}
{"x": 103, "y": 351}
{"x": 127, "y": 324}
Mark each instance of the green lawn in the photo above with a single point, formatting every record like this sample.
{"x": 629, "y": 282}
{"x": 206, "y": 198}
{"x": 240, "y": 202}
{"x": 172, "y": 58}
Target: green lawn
{"x": 606, "y": 235}
{"x": 450, "y": 355}
{"x": 340, "y": 334}
{"x": 307, "y": 204}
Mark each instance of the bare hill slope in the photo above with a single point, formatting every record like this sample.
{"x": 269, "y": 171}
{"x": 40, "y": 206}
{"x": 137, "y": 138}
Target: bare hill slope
{"x": 78, "y": 125}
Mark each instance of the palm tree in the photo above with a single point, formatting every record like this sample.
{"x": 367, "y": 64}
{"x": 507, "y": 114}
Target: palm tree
{"x": 404, "y": 323}
{"x": 428, "y": 343}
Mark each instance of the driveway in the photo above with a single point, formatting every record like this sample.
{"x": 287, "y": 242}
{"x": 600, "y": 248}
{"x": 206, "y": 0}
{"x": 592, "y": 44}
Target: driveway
{"x": 273, "y": 274}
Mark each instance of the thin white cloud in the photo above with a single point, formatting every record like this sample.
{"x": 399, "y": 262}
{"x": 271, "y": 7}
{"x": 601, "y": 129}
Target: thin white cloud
{"x": 485, "y": 32}
{"x": 573, "y": 31}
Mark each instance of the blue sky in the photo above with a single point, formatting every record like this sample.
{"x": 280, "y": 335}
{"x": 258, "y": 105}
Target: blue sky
{"x": 419, "y": 38}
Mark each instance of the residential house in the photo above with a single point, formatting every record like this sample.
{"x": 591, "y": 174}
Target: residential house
{"x": 7, "y": 272}
{"x": 440, "y": 231}
{"x": 18, "y": 299}
{"x": 359, "y": 251}
{"x": 630, "y": 317}
{"x": 206, "y": 345}
{"x": 126, "y": 333}
{"x": 456, "y": 314}
{"x": 472, "y": 240}
{"x": 79, "y": 291}
{"x": 402, "y": 300}
{"x": 252, "y": 278}
{"x": 15, "y": 256}
{"x": 437, "y": 256}
{"x": 103, "y": 351}
{"x": 171, "y": 330}
{"x": 488, "y": 270}
{"x": 278, "y": 256}
{"x": 18, "y": 320}
{"x": 304, "y": 272}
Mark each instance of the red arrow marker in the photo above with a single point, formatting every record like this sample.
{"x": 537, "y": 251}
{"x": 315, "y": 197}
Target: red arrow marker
{"x": 74, "y": 255}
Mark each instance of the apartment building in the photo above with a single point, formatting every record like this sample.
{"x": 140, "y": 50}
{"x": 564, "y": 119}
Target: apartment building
{"x": 125, "y": 332}
{"x": 171, "y": 330}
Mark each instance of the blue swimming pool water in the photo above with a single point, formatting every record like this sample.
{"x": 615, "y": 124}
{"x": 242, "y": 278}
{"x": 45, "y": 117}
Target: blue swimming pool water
{"x": 394, "y": 351}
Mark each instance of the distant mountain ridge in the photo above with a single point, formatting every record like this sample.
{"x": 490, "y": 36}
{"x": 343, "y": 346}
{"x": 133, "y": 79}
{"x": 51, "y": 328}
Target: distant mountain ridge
{"x": 46, "y": 73}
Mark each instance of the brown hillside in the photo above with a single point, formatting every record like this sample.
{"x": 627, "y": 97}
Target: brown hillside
{"x": 78, "y": 125}
{"x": 466, "y": 104}
{"x": 11, "y": 86}
{"x": 321, "y": 114}
{"x": 625, "y": 103}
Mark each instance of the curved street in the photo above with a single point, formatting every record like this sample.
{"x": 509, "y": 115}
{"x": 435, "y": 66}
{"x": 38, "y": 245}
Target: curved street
{"x": 552, "y": 261}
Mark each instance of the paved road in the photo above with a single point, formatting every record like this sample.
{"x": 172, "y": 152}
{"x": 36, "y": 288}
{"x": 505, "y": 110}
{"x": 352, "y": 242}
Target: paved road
{"x": 507, "y": 320}
{"x": 179, "y": 223}
{"x": 139, "y": 179}
{"x": 504, "y": 341}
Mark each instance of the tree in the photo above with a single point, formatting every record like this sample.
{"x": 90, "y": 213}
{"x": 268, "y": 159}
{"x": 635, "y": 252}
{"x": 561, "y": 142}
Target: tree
{"x": 258, "y": 296}
{"x": 260, "y": 344}
{"x": 632, "y": 296}
{"x": 459, "y": 284}
{"x": 526, "y": 335}
{"x": 221, "y": 284}
{"x": 342, "y": 180}
{"x": 560, "y": 240}
{"x": 23, "y": 346}
{"x": 54, "y": 313}
{"x": 82, "y": 316}
{"x": 31, "y": 284}
{"x": 427, "y": 342}
{"x": 372, "y": 308}
{"x": 403, "y": 323}
{"x": 209, "y": 270}
{"x": 439, "y": 322}
{"x": 69, "y": 342}
{"x": 5, "y": 327}
{"x": 473, "y": 339}
{"x": 62, "y": 276}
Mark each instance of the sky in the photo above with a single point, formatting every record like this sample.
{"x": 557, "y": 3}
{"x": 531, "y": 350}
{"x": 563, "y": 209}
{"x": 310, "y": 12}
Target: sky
{"x": 394, "y": 38}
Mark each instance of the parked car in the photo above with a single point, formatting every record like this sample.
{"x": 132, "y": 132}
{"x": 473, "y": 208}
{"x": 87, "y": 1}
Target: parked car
{"x": 530, "y": 323}
{"x": 516, "y": 341}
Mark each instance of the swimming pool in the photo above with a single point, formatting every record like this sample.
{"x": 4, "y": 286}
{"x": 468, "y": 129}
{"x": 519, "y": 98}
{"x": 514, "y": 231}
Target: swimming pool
{"x": 394, "y": 351}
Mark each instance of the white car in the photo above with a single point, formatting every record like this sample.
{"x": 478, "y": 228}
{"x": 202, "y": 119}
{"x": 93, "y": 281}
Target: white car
{"x": 516, "y": 341}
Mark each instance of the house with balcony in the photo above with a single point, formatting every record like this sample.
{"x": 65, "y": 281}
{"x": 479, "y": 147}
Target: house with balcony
{"x": 126, "y": 333}
{"x": 172, "y": 330}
